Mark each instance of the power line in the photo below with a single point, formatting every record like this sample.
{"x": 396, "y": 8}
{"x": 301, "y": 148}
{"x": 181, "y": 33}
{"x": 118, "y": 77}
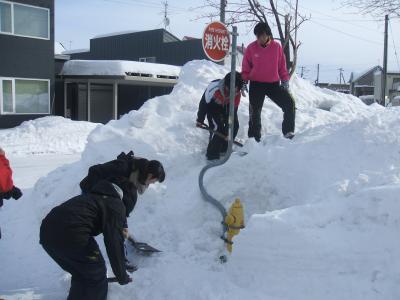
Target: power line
{"x": 335, "y": 17}
{"x": 345, "y": 33}
{"x": 345, "y": 22}
{"x": 394, "y": 45}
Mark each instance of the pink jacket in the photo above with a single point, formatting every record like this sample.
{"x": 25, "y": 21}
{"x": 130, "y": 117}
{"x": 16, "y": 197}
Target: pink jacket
{"x": 264, "y": 64}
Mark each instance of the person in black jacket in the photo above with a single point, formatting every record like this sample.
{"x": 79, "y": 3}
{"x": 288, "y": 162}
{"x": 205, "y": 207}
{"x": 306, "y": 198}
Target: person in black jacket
{"x": 215, "y": 105}
{"x": 140, "y": 172}
{"x": 67, "y": 234}
{"x": 109, "y": 195}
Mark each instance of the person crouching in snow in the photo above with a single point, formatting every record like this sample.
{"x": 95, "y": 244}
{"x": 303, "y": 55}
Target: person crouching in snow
{"x": 215, "y": 104}
{"x": 264, "y": 64}
{"x": 67, "y": 232}
{"x": 139, "y": 172}
{"x": 7, "y": 188}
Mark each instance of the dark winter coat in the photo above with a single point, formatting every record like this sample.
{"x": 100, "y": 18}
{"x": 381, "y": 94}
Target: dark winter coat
{"x": 71, "y": 225}
{"x": 215, "y": 100}
{"x": 118, "y": 172}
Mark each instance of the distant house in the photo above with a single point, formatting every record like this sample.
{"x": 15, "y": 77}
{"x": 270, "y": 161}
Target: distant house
{"x": 392, "y": 86}
{"x": 26, "y": 60}
{"x": 120, "y": 72}
{"x": 363, "y": 84}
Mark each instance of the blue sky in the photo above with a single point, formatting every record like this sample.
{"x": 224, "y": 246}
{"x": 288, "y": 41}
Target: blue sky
{"x": 334, "y": 37}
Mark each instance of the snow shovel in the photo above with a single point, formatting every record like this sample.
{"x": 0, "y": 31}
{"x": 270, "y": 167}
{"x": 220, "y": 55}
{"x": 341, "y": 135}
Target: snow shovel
{"x": 142, "y": 248}
{"x": 206, "y": 127}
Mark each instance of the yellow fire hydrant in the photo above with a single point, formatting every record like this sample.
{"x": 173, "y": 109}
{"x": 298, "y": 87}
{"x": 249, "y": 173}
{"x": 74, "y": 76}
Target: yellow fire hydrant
{"x": 234, "y": 221}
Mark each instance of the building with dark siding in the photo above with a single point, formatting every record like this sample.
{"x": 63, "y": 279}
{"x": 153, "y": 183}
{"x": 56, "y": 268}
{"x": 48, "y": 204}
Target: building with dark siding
{"x": 157, "y": 46}
{"x": 26, "y": 60}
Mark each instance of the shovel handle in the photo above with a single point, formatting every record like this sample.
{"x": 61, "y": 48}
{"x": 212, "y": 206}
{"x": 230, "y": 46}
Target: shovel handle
{"x": 206, "y": 127}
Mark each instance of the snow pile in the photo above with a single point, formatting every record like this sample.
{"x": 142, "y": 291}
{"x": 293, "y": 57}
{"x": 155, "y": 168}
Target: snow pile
{"x": 46, "y": 135}
{"x": 321, "y": 210}
{"x": 116, "y": 68}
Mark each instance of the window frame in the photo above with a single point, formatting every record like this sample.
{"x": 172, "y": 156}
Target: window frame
{"x": 12, "y": 33}
{"x": 13, "y": 96}
{"x": 147, "y": 58}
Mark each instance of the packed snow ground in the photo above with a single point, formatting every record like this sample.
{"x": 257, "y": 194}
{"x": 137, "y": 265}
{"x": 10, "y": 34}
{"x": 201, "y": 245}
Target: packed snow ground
{"x": 322, "y": 210}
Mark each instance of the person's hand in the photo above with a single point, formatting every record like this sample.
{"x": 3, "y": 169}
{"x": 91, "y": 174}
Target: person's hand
{"x": 199, "y": 124}
{"x": 2, "y": 152}
{"x": 16, "y": 193}
{"x": 285, "y": 85}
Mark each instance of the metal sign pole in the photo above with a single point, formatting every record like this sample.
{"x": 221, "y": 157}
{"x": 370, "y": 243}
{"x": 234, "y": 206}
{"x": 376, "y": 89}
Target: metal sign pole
{"x": 206, "y": 195}
{"x": 232, "y": 89}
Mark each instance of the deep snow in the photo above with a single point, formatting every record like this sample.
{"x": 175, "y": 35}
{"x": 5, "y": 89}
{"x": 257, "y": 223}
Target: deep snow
{"x": 322, "y": 210}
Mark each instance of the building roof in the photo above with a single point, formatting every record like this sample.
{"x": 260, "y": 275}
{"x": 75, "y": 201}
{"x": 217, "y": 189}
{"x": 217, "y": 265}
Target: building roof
{"x": 358, "y": 76}
{"x": 119, "y": 68}
{"x": 74, "y": 51}
{"x": 114, "y": 34}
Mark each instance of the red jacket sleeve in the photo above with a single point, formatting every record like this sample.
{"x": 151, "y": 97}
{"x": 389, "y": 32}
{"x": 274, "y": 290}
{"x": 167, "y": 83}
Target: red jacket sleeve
{"x": 246, "y": 64}
{"x": 283, "y": 72}
{"x": 6, "y": 182}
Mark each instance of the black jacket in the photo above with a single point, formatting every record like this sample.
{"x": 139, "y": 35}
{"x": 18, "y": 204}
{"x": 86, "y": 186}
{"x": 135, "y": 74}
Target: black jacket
{"x": 116, "y": 171}
{"x": 72, "y": 224}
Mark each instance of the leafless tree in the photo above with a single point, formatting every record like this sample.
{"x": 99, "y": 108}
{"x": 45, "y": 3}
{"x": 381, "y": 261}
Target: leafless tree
{"x": 375, "y": 7}
{"x": 281, "y": 14}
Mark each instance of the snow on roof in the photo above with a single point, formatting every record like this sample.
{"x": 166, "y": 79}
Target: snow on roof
{"x": 363, "y": 86}
{"x": 117, "y": 68}
{"x": 114, "y": 33}
{"x": 74, "y": 51}
{"x": 58, "y": 48}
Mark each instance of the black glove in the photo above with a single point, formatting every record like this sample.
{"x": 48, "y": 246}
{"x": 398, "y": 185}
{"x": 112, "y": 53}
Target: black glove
{"x": 125, "y": 281}
{"x": 16, "y": 193}
{"x": 6, "y": 195}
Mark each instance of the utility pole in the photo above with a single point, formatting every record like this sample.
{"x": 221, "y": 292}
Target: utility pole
{"x": 341, "y": 76}
{"x": 303, "y": 71}
{"x": 385, "y": 56}
{"x": 317, "y": 81}
{"x": 166, "y": 19}
{"x": 222, "y": 11}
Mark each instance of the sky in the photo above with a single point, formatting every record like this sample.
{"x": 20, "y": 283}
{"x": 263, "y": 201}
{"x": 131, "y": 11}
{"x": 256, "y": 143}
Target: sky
{"x": 334, "y": 37}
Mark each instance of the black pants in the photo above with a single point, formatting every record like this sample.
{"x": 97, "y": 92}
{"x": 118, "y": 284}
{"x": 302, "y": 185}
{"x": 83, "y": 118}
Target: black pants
{"x": 218, "y": 118}
{"x": 87, "y": 267}
{"x": 280, "y": 96}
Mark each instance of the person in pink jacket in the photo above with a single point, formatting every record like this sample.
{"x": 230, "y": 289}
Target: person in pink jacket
{"x": 264, "y": 65}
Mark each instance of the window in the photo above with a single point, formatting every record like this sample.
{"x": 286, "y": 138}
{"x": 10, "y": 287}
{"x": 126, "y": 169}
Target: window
{"x": 24, "y": 20}
{"x": 31, "y": 21}
{"x": 5, "y": 17}
{"x": 148, "y": 59}
{"x": 7, "y": 96}
{"x": 25, "y": 96}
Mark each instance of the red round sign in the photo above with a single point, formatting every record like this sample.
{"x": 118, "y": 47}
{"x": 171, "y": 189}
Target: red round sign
{"x": 216, "y": 41}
